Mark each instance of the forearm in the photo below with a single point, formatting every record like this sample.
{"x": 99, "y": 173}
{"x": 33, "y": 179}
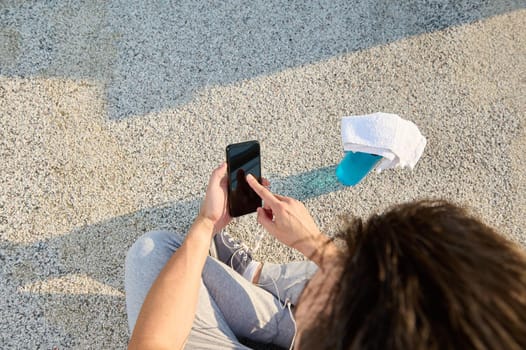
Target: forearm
{"x": 168, "y": 311}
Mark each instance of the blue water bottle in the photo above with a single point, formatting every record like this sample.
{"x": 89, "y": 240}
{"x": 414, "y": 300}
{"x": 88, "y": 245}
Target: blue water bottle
{"x": 355, "y": 166}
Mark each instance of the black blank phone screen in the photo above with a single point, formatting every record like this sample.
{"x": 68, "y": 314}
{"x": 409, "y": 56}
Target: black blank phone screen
{"x": 243, "y": 159}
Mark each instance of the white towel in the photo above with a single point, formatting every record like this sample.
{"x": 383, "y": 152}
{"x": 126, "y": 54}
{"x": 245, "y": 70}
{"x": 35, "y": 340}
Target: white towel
{"x": 397, "y": 140}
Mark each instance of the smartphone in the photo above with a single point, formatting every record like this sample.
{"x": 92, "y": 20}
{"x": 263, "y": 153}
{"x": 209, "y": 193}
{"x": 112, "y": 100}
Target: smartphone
{"x": 242, "y": 159}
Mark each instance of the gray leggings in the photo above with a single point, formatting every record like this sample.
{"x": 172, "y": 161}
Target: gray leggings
{"x": 229, "y": 307}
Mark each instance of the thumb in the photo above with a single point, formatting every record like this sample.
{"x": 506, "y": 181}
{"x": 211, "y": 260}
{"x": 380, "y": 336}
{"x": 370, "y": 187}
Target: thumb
{"x": 265, "y": 220}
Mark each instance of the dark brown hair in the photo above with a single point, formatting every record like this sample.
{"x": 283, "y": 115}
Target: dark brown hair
{"x": 425, "y": 275}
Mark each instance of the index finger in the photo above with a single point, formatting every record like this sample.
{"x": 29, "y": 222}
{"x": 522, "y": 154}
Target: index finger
{"x": 262, "y": 191}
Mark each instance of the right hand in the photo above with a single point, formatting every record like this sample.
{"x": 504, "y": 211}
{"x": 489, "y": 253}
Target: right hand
{"x": 289, "y": 221}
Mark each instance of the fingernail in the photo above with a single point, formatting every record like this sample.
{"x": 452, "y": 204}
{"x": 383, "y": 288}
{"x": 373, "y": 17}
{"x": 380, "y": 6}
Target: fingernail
{"x": 250, "y": 176}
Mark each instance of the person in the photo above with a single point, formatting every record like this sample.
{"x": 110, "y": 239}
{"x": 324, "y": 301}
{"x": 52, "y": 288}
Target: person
{"x": 422, "y": 275}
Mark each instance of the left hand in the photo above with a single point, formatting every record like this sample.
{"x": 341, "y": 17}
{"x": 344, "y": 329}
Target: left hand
{"x": 214, "y": 206}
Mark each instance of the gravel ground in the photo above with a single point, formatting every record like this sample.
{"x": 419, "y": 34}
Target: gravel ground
{"x": 113, "y": 113}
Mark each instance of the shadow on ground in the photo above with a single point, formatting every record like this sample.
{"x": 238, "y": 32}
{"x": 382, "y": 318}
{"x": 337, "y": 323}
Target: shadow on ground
{"x": 151, "y": 57}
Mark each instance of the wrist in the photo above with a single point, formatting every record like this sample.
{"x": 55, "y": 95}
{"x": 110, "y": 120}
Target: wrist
{"x": 204, "y": 223}
{"x": 320, "y": 250}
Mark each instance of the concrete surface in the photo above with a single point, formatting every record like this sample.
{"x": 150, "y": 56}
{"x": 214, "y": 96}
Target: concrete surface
{"x": 113, "y": 113}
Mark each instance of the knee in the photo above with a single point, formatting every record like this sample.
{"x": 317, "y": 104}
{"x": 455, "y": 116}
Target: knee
{"x": 153, "y": 244}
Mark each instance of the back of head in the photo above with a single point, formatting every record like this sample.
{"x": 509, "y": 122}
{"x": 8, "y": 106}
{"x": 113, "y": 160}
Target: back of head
{"x": 425, "y": 275}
